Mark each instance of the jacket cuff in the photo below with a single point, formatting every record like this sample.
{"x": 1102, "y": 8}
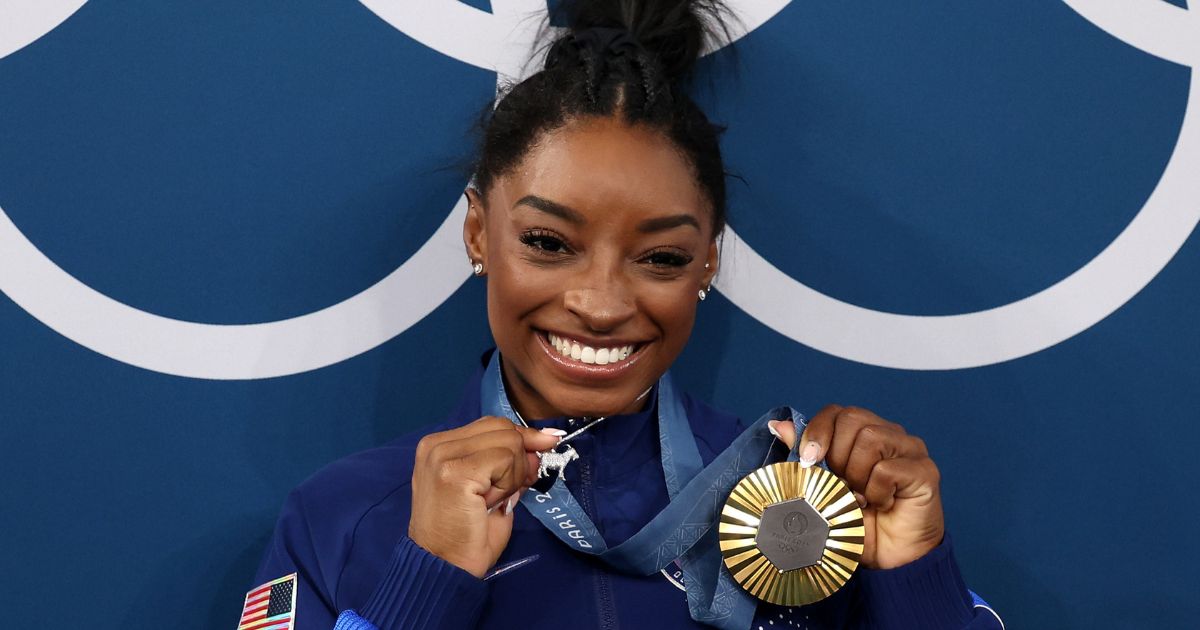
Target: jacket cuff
{"x": 421, "y": 590}
{"x": 927, "y": 593}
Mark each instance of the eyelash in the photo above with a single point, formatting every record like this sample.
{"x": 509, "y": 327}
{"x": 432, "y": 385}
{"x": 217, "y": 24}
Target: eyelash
{"x": 537, "y": 238}
{"x": 674, "y": 259}
{"x": 549, "y": 244}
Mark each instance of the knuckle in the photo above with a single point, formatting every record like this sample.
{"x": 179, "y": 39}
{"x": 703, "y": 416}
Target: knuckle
{"x": 873, "y": 435}
{"x": 423, "y": 447}
{"x": 854, "y": 414}
{"x": 932, "y": 470}
{"x": 887, "y": 469}
{"x": 496, "y": 422}
{"x": 445, "y": 472}
{"x": 831, "y": 408}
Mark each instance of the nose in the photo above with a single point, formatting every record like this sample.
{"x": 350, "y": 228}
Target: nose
{"x": 602, "y": 300}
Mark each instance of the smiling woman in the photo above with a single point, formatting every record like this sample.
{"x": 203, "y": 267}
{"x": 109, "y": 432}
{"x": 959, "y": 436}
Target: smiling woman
{"x": 595, "y": 215}
{"x": 599, "y": 240}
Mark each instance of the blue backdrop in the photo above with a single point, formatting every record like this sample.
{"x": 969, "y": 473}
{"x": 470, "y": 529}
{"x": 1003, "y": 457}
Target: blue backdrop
{"x": 222, "y": 268}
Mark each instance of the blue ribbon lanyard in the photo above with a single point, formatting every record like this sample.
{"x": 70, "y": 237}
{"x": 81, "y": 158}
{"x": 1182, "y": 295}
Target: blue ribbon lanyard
{"x": 684, "y": 530}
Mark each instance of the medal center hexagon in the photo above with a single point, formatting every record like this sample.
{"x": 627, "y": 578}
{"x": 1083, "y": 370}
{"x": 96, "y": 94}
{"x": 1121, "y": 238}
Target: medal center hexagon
{"x": 792, "y": 534}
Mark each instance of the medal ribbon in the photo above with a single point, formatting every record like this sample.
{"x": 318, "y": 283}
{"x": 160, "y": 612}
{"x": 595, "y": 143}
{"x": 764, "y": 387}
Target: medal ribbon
{"x": 685, "y": 529}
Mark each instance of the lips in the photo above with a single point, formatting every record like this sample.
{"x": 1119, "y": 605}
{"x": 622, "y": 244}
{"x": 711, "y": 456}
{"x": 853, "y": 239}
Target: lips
{"x": 584, "y": 359}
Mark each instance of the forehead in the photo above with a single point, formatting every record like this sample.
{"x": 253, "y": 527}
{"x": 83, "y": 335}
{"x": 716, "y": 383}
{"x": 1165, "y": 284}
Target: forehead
{"x": 604, "y": 166}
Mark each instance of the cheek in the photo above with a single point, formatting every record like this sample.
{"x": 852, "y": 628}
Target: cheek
{"x": 673, "y": 309}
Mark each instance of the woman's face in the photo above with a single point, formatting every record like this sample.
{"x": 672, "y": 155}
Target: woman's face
{"x": 595, "y": 247}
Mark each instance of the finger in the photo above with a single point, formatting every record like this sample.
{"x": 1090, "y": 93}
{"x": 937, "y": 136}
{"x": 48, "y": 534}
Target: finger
{"x": 848, "y": 422}
{"x": 817, "y": 435}
{"x": 901, "y": 478}
{"x": 482, "y": 425}
{"x": 507, "y": 504}
{"x": 872, "y": 443}
{"x": 520, "y": 440}
{"x": 489, "y": 473}
{"x": 501, "y": 438}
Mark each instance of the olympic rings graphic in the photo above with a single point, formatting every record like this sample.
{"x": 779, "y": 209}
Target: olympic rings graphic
{"x": 500, "y": 41}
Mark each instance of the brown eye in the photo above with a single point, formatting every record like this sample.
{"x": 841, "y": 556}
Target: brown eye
{"x": 668, "y": 259}
{"x": 544, "y": 242}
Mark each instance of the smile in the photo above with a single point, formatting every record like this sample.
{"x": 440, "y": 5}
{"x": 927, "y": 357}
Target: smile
{"x": 582, "y": 353}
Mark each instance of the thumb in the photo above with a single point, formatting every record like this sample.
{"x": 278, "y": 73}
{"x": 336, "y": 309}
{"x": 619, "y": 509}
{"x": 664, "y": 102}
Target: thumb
{"x": 785, "y": 430}
{"x": 542, "y": 440}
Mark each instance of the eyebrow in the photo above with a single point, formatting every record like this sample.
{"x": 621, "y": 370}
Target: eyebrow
{"x": 657, "y": 224}
{"x": 665, "y": 223}
{"x": 550, "y": 207}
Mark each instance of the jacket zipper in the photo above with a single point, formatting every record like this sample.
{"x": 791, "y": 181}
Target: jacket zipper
{"x": 607, "y": 614}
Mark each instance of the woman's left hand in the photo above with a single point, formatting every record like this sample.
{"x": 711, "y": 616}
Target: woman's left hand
{"x": 890, "y": 473}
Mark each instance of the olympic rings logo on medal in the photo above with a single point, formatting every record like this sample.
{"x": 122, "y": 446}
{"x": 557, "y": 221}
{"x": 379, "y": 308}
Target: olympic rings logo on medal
{"x": 499, "y": 41}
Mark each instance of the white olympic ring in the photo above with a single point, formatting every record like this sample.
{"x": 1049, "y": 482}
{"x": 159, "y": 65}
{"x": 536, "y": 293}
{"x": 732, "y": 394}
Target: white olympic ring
{"x": 501, "y": 41}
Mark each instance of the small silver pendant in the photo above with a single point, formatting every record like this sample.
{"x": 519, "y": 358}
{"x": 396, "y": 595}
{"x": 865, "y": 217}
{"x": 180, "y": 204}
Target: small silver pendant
{"x": 552, "y": 460}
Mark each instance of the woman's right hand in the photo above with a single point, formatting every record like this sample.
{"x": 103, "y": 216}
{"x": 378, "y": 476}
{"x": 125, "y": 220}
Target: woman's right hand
{"x": 458, "y": 475}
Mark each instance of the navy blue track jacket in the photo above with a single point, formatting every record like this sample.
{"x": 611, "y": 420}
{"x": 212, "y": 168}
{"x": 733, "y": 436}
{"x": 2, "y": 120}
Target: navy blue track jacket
{"x": 343, "y": 532}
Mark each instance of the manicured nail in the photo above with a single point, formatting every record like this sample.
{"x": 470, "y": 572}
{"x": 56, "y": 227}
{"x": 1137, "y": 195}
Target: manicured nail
{"x": 810, "y": 453}
{"x": 508, "y": 505}
{"x": 862, "y": 501}
{"x": 554, "y": 432}
{"x": 771, "y": 427}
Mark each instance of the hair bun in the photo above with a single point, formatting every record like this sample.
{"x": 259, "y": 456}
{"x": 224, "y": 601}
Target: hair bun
{"x": 674, "y": 32}
{"x": 600, "y": 41}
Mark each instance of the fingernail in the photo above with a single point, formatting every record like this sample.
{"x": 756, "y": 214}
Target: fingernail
{"x": 810, "y": 453}
{"x": 862, "y": 501}
{"x": 771, "y": 427}
{"x": 508, "y": 505}
{"x": 554, "y": 432}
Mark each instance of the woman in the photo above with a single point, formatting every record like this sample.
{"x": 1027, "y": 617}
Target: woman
{"x": 594, "y": 215}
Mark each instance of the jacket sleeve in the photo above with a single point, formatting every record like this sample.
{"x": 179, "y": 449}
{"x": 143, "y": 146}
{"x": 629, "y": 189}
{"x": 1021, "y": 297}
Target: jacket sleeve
{"x": 928, "y": 593}
{"x": 416, "y": 590}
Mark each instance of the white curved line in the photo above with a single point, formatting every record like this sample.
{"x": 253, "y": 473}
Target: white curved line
{"x": 24, "y": 21}
{"x": 473, "y": 39}
{"x": 244, "y": 351}
{"x": 502, "y": 40}
{"x": 751, "y": 14}
{"x": 1007, "y": 332}
{"x": 427, "y": 279}
{"x": 1153, "y": 26}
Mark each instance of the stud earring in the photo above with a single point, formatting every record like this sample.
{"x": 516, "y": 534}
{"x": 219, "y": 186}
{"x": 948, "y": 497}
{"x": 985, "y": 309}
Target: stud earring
{"x": 703, "y": 294}
{"x": 477, "y": 268}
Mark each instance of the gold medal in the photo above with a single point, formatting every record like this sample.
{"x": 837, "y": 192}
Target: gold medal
{"x": 791, "y": 535}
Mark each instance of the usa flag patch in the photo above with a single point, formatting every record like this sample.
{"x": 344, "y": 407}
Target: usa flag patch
{"x": 271, "y": 606}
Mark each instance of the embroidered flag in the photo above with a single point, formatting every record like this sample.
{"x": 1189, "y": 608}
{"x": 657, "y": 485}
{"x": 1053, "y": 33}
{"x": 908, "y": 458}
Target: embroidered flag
{"x": 271, "y": 606}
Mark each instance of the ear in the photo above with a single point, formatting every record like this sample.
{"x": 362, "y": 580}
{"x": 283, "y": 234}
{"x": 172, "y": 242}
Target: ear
{"x": 712, "y": 262}
{"x": 475, "y": 228}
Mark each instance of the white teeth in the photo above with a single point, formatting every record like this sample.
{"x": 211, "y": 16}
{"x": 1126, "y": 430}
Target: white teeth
{"x": 588, "y": 354}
